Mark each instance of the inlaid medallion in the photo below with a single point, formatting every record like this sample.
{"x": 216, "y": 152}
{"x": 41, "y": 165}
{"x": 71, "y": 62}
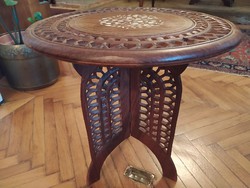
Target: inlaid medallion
{"x": 131, "y": 21}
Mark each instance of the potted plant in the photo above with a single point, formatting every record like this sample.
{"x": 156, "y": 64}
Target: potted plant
{"x": 24, "y": 68}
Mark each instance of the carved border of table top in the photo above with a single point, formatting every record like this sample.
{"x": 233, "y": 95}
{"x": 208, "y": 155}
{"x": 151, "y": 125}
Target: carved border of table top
{"x": 208, "y": 31}
{"x": 208, "y": 28}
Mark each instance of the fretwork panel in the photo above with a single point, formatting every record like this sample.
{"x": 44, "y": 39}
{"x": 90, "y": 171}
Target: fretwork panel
{"x": 157, "y": 102}
{"x": 119, "y": 102}
{"x": 104, "y": 106}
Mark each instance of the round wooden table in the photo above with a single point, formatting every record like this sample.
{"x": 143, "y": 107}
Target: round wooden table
{"x": 130, "y": 60}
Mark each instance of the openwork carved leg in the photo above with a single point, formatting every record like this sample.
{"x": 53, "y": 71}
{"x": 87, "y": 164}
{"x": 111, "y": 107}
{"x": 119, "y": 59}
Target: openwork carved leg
{"x": 155, "y": 103}
{"x": 104, "y": 98}
{"x": 118, "y": 102}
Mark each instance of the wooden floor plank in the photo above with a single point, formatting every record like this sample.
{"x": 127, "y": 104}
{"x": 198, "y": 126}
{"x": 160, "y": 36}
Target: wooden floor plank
{"x": 210, "y": 118}
{"x": 184, "y": 175}
{"x": 244, "y": 148}
{"x": 15, "y": 132}
{"x": 147, "y": 162}
{"x": 62, "y": 93}
{"x": 43, "y": 182}
{"x": 121, "y": 164}
{"x": 38, "y": 140}
{"x": 237, "y": 93}
{"x": 231, "y": 163}
{"x": 25, "y": 152}
{"x": 51, "y": 153}
{"x": 64, "y": 154}
{"x": 170, "y": 183}
{"x": 231, "y": 101}
{"x": 9, "y": 161}
{"x": 62, "y": 84}
{"x": 213, "y": 176}
{"x": 225, "y": 134}
{"x": 5, "y": 131}
{"x": 15, "y": 100}
{"x": 23, "y": 178}
{"x": 219, "y": 165}
{"x": 14, "y": 170}
{"x": 219, "y": 126}
{"x": 83, "y": 134}
{"x": 68, "y": 184}
{"x": 100, "y": 183}
{"x": 129, "y": 154}
{"x": 200, "y": 98}
{"x": 242, "y": 82}
{"x": 2, "y": 154}
{"x": 235, "y": 140}
{"x": 110, "y": 173}
{"x": 203, "y": 110}
{"x": 239, "y": 158}
{"x": 78, "y": 158}
{"x": 130, "y": 157}
{"x": 201, "y": 92}
{"x": 189, "y": 156}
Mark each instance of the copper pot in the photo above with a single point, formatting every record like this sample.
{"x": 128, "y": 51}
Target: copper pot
{"x": 24, "y": 68}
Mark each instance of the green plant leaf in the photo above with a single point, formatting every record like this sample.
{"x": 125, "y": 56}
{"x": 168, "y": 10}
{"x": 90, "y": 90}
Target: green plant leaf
{"x": 10, "y": 2}
{"x": 31, "y": 20}
{"x": 38, "y": 16}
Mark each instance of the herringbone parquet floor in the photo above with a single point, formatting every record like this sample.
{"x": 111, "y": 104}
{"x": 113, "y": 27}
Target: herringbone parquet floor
{"x": 43, "y": 140}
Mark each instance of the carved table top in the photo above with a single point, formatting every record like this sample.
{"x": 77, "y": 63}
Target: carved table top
{"x": 132, "y": 37}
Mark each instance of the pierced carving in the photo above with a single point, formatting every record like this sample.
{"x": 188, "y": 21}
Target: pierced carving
{"x": 204, "y": 29}
{"x": 104, "y": 106}
{"x": 157, "y": 104}
{"x": 119, "y": 102}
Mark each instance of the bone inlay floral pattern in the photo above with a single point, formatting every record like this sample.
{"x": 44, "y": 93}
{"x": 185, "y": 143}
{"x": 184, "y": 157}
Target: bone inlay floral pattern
{"x": 131, "y": 21}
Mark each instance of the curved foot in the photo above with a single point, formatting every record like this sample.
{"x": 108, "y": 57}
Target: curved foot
{"x": 93, "y": 174}
{"x": 168, "y": 169}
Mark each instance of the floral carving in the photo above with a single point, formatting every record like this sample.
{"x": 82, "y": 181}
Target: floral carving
{"x": 131, "y": 21}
